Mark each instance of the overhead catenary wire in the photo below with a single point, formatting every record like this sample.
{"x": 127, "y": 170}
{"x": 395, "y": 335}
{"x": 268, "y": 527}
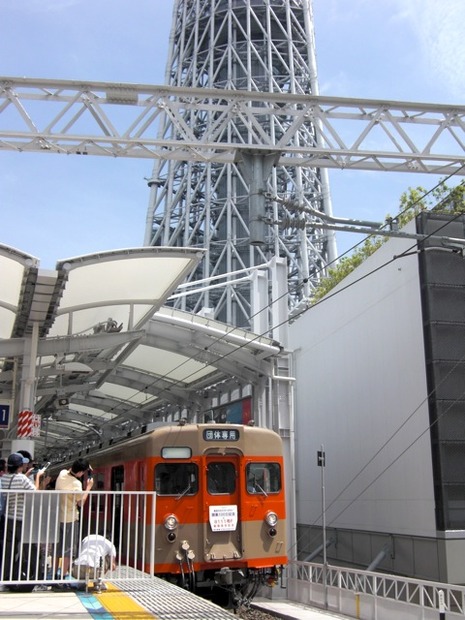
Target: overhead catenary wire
{"x": 407, "y": 252}
{"x": 264, "y": 334}
{"x": 166, "y": 376}
{"x": 340, "y": 289}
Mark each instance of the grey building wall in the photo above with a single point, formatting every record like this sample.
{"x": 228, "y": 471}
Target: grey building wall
{"x": 362, "y": 393}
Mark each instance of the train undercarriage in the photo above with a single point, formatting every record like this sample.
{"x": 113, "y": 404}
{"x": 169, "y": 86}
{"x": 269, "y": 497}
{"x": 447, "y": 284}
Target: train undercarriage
{"x": 230, "y": 588}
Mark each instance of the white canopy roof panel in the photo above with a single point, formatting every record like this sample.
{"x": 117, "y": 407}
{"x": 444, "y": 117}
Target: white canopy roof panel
{"x": 111, "y": 358}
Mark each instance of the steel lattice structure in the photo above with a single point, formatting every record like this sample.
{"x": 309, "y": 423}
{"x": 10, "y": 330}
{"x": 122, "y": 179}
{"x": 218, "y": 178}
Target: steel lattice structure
{"x": 239, "y": 135}
{"x": 120, "y": 120}
{"x": 254, "y": 46}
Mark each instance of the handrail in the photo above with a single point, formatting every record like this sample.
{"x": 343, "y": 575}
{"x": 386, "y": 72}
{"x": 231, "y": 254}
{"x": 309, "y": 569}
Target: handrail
{"x": 371, "y": 595}
{"x": 123, "y": 518}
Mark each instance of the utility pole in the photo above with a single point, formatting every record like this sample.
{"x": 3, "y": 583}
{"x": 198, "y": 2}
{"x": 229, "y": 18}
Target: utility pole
{"x": 322, "y": 464}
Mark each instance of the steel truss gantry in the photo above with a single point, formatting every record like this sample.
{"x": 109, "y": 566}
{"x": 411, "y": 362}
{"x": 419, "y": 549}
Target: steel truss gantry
{"x": 120, "y": 120}
{"x": 195, "y": 198}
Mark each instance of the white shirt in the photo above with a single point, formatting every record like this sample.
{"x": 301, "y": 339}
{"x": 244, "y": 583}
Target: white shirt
{"x": 92, "y": 549}
{"x": 16, "y": 482}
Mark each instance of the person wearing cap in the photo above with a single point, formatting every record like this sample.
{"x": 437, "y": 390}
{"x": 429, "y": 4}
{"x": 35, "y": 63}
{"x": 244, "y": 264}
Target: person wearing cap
{"x": 31, "y": 469}
{"x": 27, "y": 468}
{"x": 15, "y": 480}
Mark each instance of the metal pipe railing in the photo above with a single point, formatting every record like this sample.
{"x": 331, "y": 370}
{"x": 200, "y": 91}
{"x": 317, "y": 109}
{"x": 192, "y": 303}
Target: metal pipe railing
{"x": 370, "y": 595}
{"x": 32, "y": 549}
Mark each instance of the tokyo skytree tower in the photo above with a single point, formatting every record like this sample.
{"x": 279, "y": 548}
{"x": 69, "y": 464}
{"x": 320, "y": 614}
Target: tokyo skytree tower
{"x": 239, "y": 212}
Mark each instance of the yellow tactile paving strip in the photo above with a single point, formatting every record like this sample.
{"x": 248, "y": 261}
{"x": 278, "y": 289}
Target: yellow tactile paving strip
{"x": 133, "y": 594}
{"x": 120, "y": 605}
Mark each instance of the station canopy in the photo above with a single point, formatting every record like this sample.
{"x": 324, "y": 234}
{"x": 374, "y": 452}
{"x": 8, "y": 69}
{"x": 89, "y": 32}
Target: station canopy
{"x": 98, "y": 355}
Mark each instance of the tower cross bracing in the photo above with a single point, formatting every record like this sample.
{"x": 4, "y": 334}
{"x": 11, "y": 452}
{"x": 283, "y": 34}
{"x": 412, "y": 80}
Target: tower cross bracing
{"x": 253, "y": 46}
{"x": 224, "y": 151}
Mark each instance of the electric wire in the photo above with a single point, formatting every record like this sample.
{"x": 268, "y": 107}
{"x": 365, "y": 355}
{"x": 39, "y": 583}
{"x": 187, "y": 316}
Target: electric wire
{"x": 385, "y": 444}
{"x": 396, "y": 432}
{"x": 328, "y": 296}
{"x": 264, "y": 334}
{"x": 166, "y": 377}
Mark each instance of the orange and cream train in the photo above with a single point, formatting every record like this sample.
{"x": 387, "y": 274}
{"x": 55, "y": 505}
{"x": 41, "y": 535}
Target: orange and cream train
{"x": 220, "y": 520}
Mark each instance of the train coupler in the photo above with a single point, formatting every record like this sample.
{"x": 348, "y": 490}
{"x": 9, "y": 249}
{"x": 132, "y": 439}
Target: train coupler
{"x": 228, "y": 577}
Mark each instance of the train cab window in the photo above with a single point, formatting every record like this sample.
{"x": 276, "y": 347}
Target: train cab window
{"x": 263, "y": 478}
{"x": 176, "y": 479}
{"x": 221, "y": 478}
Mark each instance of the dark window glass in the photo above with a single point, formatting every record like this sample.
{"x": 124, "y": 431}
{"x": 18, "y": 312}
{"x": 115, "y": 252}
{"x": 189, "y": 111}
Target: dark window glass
{"x": 99, "y": 485}
{"x": 454, "y": 506}
{"x": 176, "y": 479}
{"x": 263, "y": 478}
{"x": 221, "y": 478}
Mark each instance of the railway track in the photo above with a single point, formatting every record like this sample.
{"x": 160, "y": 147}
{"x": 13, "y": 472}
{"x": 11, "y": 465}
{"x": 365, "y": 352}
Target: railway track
{"x": 250, "y": 613}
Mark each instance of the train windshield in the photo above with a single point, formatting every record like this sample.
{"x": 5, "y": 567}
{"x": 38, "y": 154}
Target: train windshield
{"x": 221, "y": 478}
{"x": 263, "y": 478}
{"x": 176, "y": 479}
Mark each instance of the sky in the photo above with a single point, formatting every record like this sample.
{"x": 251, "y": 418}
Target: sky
{"x": 57, "y": 206}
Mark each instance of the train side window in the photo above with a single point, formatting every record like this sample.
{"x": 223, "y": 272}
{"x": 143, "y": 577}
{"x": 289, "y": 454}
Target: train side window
{"x": 263, "y": 478}
{"x": 221, "y": 478}
{"x": 99, "y": 485}
{"x": 117, "y": 478}
{"x": 176, "y": 479}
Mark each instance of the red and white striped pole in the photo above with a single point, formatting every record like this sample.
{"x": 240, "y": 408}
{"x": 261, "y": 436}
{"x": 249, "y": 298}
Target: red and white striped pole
{"x": 24, "y": 429}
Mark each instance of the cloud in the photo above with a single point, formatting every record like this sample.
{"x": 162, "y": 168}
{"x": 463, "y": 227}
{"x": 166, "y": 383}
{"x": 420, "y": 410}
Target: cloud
{"x": 438, "y": 27}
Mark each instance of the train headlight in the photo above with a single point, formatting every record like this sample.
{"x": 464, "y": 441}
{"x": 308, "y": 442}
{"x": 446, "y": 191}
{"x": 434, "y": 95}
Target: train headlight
{"x": 271, "y": 518}
{"x": 171, "y": 522}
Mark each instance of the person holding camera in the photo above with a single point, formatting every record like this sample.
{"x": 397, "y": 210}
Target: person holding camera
{"x": 32, "y": 469}
{"x": 15, "y": 480}
{"x": 71, "y": 480}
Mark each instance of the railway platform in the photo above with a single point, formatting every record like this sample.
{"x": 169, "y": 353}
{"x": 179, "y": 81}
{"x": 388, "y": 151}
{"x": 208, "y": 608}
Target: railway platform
{"x": 142, "y": 600}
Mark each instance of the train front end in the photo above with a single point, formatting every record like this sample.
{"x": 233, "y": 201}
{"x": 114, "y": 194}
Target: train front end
{"x": 221, "y": 516}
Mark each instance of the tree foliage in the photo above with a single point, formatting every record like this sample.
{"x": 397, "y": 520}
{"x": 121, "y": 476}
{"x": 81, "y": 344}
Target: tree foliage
{"x": 441, "y": 199}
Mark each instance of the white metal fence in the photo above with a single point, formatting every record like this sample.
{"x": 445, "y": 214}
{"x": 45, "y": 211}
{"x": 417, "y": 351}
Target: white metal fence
{"x": 372, "y": 596}
{"x": 32, "y": 548}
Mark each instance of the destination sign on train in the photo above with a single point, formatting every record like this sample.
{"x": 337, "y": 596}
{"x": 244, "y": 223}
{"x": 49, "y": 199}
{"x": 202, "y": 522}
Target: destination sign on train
{"x": 224, "y": 434}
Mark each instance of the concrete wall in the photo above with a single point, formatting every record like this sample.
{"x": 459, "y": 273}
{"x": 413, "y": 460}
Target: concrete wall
{"x": 361, "y": 393}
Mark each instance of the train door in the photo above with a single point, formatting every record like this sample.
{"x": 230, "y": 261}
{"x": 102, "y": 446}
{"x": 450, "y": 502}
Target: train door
{"x": 117, "y": 484}
{"x": 223, "y": 535}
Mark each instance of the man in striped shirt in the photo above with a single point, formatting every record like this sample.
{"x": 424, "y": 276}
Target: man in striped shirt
{"x": 14, "y": 511}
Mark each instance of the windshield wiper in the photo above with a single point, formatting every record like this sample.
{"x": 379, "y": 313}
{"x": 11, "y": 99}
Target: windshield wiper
{"x": 186, "y": 490}
{"x": 260, "y": 489}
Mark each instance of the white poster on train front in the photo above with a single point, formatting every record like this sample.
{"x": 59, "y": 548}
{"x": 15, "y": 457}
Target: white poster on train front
{"x": 223, "y": 518}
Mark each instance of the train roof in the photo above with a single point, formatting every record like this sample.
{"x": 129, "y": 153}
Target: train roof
{"x": 249, "y": 440}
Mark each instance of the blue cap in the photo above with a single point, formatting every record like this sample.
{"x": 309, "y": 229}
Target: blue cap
{"x": 16, "y": 459}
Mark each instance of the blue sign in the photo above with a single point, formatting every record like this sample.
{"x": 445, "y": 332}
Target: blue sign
{"x": 5, "y": 414}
